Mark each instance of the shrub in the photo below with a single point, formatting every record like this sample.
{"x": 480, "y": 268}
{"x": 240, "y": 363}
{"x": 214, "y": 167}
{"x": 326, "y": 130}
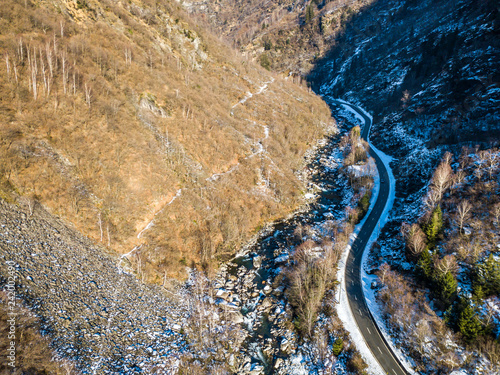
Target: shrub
{"x": 337, "y": 347}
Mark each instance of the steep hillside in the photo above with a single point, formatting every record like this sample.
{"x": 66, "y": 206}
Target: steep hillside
{"x": 284, "y": 35}
{"x": 146, "y": 132}
{"x": 427, "y": 70}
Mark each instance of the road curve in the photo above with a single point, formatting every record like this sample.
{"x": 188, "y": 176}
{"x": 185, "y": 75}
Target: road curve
{"x": 364, "y": 319}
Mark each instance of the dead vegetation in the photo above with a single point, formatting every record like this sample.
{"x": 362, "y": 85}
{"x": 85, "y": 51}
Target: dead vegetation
{"x": 110, "y": 109}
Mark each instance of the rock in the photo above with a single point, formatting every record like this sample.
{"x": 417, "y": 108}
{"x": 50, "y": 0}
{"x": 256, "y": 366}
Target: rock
{"x": 277, "y": 363}
{"x": 266, "y": 304}
{"x": 221, "y": 293}
{"x": 236, "y": 318}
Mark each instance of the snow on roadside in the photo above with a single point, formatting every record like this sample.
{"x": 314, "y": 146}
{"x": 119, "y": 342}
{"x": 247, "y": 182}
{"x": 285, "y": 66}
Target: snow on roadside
{"x": 367, "y": 279}
{"x": 345, "y": 314}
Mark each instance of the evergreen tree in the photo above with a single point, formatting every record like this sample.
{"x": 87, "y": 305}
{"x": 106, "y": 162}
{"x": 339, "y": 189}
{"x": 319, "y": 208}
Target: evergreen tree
{"x": 434, "y": 226}
{"x": 424, "y": 265}
{"x": 468, "y": 323}
{"x": 488, "y": 276}
{"x": 337, "y": 347}
{"x": 447, "y": 288}
{"x": 309, "y": 13}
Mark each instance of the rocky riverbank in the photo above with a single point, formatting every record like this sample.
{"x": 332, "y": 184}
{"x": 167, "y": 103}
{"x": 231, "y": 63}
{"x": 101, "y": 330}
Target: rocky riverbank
{"x": 108, "y": 322}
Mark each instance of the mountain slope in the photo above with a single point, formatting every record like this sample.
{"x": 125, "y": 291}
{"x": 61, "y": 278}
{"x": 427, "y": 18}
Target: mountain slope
{"x": 284, "y": 35}
{"x": 427, "y": 70}
{"x": 131, "y": 122}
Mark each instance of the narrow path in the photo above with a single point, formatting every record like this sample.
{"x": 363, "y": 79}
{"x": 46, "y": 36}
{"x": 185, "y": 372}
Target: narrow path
{"x": 216, "y": 176}
{"x": 371, "y": 333}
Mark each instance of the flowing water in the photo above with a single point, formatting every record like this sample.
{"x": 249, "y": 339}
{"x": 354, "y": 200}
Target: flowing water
{"x": 256, "y": 276}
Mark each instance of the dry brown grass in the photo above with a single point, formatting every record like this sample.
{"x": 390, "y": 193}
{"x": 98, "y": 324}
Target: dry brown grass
{"x": 134, "y": 102}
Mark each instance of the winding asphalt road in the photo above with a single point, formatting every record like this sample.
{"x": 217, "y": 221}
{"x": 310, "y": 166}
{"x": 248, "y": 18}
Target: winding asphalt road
{"x": 367, "y": 325}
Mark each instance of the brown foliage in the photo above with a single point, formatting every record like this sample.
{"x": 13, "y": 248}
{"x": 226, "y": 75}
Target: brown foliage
{"x": 114, "y": 107}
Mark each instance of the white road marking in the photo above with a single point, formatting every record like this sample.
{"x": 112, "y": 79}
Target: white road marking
{"x": 368, "y": 329}
{"x": 381, "y": 353}
{"x": 360, "y": 313}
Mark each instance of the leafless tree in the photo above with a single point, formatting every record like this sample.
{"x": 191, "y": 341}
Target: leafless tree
{"x": 33, "y": 72}
{"x": 8, "y": 65}
{"x": 496, "y": 213}
{"x": 493, "y": 162}
{"x": 20, "y": 50}
{"x": 50, "y": 59}
{"x": 463, "y": 210}
{"x": 442, "y": 176}
{"x": 447, "y": 264}
{"x": 383, "y": 271}
{"x": 432, "y": 199}
{"x": 128, "y": 56}
{"x": 88, "y": 94}
{"x": 64, "y": 61}
{"x": 458, "y": 178}
{"x": 415, "y": 238}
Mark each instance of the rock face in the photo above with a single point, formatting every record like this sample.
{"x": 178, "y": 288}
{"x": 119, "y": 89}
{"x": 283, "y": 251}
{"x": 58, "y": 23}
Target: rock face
{"x": 94, "y": 311}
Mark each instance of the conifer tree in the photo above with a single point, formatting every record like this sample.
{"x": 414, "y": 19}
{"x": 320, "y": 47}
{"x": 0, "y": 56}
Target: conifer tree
{"x": 424, "y": 265}
{"x": 447, "y": 288}
{"x": 489, "y": 276}
{"x": 435, "y": 226}
{"x": 309, "y": 13}
{"x": 468, "y": 323}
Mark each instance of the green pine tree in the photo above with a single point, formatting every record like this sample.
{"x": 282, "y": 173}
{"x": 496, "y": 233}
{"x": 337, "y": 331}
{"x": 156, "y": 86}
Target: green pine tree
{"x": 337, "y": 347}
{"x": 424, "y": 265}
{"x": 434, "y": 226}
{"x": 489, "y": 276}
{"x": 309, "y": 13}
{"x": 447, "y": 288}
{"x": 468, "y": 323}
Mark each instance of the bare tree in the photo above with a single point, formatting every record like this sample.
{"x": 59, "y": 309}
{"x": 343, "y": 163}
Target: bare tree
{"x": 495, "y": 211}
{"x": 431, "y": 199}
{"x": 8, "y": 65}
{"x": 447, "y": 264}
{"x": 44, "y": 73}
{"x": 458, "y": 178}
{"x": 20, "y": 50}
{"x": 383, "y": 271}
{"x": 416, "y": 240}
{"x": 463, "y": 211}
{"x": 88, "y": 94}
{"x": 50, "y": 59}
{"x": 492, "y": 160}
{"x": 33, "y": 72}
{"x": 99, "y": 221}
{"x": 442, "y": 176}
{"x": 128, "y": 56}
{"x": 64, "y": 66}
